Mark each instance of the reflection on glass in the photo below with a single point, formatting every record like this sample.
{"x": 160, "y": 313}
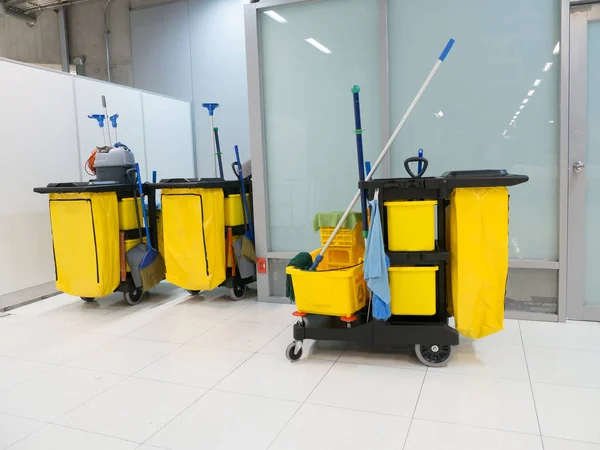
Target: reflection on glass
{"x": 308, "y": 68}
{"x": 273, "y": 15}
{"x": 592, "y": 167}
{"x": 500, "y": 52}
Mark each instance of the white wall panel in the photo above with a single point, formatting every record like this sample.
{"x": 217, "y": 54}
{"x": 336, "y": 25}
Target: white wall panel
{"x": 39, "y": 146}
{"x": 169, "y": 140}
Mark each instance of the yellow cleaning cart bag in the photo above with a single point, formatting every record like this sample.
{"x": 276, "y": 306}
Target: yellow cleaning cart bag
{"x": 85, "y": 235}
{"x": 193, "y": 228}
{"x": 478, "y": 238}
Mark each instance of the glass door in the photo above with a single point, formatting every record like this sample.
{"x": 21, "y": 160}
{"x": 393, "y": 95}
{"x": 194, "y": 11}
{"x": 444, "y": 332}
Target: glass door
{"x": 584, "y": 164}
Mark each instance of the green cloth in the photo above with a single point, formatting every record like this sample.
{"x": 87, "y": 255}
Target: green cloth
{"x": 301, "y": 261}
{"x": 331, "y": 219}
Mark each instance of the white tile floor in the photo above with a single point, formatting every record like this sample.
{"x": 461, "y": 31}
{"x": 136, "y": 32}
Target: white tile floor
{"x": 178, "y": 373}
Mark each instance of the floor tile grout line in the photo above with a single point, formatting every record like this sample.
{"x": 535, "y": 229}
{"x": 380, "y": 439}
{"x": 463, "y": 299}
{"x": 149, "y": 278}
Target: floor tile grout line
{"x": 479, "y": 427}
{"x": 415, "y": 408}
{"x": 206, "y": 391}
{"x": 198, "y": 399}
{"x": 88, "y": 400}
{"x": 54, "y": 366}
{"x": 30, "y": 434}
{"x": 537, "y": 416}
{"x": 85, "y": 431}
{"x": 303, "y": 402}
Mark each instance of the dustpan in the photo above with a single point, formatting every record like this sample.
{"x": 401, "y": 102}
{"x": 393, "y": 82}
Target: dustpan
{"x": 245, "y": 266}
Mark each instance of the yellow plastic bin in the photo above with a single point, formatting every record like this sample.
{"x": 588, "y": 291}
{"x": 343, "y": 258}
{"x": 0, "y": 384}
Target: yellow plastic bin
{"x": 331, "y": 292}
{"x": 411, "y": 225}
{"x": 344, "y": 238}
{"x": 413, "y": 290}
{"x": 127, "y": 219}
{"x": 234, "y": 210}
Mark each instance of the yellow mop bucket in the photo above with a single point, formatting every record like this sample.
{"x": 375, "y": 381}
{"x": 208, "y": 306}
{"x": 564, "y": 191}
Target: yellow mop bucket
{"x": 331, "y": 292}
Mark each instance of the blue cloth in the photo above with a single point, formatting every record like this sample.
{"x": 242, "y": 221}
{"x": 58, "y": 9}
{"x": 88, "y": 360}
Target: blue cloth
{"x": 376, "y": 265}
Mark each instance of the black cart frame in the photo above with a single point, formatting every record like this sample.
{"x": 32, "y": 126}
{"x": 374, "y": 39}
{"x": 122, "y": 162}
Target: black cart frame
{"x": 423, "y": 332}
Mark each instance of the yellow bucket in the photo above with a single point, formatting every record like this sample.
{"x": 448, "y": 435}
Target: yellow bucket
{"x": 234, "y": 210}
{"x": 127, "y": 214}
{"x": 411, "y": 225}
{"x": 331, "y": 292}
{"x": 413, "y": 290}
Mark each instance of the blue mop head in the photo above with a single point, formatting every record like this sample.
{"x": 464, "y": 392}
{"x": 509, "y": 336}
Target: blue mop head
{"x": 381, "y": 309}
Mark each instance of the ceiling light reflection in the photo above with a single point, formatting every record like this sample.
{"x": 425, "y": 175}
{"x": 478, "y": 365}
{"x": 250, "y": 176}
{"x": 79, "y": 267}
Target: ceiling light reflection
{"x": 273, "y": 15}
{"x": 547, "y": 66}
{"x": 556, "y": 50}
{"x": 316, "y": 44}
{"x": 537, "y": 82}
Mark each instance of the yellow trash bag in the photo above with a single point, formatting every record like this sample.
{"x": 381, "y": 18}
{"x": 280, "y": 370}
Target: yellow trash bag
{"x": 193, "y": 233}
{"x": 478, "y": 238}
{"x": 85, "y": 235}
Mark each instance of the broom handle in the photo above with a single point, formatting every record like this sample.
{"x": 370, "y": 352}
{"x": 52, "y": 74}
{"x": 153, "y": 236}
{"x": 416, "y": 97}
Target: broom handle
{"x": 144, "y": 212}
{"x": 385, "y": 150}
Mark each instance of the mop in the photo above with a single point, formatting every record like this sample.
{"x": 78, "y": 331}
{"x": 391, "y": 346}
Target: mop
{"x": 385, "y": 151}
{"x": 214, "y": 134}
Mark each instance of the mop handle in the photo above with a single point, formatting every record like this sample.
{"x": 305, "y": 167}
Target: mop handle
{"x": 385, "y": 150}
{"x": 360, "y": 154}
{"x": 107, "y": 116}
{"x": 220, "y": 160}
{"x": 211, "y": 112}
{"x": 144, "y": 211}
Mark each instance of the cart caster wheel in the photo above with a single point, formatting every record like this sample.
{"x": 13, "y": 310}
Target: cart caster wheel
{"x": 237, "y": 292}
{"x": 192, "y": 292}
{"x": 88, "y": 299}
{"x": 291, "y": 353}
{"x": 434, "y": 355}
{"x": 133, "y": 297}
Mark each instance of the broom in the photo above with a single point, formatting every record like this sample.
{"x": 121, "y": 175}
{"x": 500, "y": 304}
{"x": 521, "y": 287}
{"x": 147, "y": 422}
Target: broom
{"x": 248, "y": 237}
{"x": 152, "y": 266}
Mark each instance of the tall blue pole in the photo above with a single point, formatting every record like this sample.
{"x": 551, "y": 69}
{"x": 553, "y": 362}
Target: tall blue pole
{"x": 359, "y": 153}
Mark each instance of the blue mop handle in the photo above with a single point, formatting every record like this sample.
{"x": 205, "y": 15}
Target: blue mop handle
{"x": 420, "y": 163}
{"x": 99, "y": 117}
{"x": 211, "y": 108}
{"x": 359, "y": 152}
{"x": 144, "y": 212}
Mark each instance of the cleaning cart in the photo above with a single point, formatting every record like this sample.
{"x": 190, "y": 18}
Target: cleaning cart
{"x": 94, "y": 224}
{"x": 201, "y": 222}
{"x": 99, "y": 246}
{"x": 446, "y": 239}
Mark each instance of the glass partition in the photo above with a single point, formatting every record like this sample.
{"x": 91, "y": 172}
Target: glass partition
{"x": 494, "y": 103}
{"x": 312, "y": 55}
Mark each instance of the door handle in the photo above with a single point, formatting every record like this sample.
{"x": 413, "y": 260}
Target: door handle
{"x": 578, "y": 166}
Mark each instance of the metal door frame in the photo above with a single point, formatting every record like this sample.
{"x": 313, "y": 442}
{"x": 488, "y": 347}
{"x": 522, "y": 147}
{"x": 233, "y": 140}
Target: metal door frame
{"x": 579, "y": 16}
